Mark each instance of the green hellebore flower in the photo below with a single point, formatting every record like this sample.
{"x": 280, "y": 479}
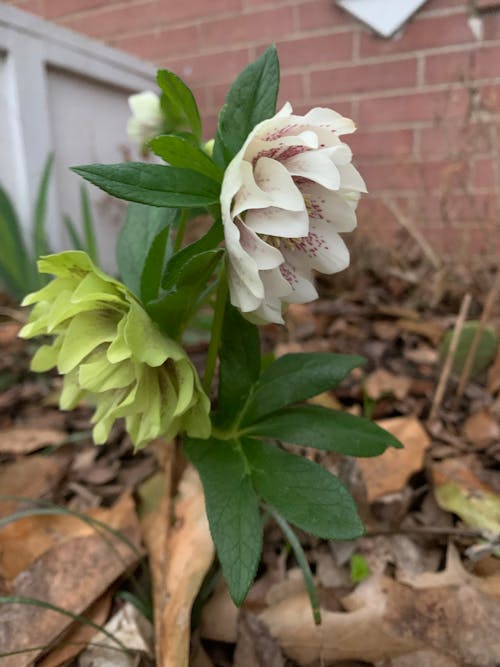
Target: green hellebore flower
{"x": 113, "y": 355}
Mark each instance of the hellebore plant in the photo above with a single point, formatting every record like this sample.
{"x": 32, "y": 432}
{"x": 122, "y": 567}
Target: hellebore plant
{"x": 279, "y": 188}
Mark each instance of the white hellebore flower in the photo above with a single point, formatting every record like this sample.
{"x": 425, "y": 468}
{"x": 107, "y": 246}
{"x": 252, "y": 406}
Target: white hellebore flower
{"x": 285, "y": 197}
{"x": 147, "y": 119}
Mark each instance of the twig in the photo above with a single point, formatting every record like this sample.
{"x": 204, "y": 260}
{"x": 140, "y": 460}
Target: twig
{"x": 471, "y": 355}
{"x": 445, "y": 373}
{"x": 417, "y": 236}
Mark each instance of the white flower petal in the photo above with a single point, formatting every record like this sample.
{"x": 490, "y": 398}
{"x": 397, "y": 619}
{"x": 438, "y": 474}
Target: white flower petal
{"x": 264, "y": 255}
{"x": 350, "y": 178}
{"x": 324, "y": 250}
{"x": 269, "y": 184}
{"x": 303, "y": 289}
{"x": 315, "y": 166}
{"x": 330, "y": 206}
{"x": 329, "y": 119}
{"x": 274, "y": 221}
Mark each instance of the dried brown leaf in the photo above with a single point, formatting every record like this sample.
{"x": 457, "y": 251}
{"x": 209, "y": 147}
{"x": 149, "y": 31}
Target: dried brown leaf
{"x": 24, "y": 440}
{"x": 481, "y": 429}
{"x": 389, "y": 472}
{"x": 255, "y": 647}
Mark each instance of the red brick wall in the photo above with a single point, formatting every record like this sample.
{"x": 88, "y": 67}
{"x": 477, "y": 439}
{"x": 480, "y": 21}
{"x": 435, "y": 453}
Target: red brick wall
{"x": 427, "y": 102}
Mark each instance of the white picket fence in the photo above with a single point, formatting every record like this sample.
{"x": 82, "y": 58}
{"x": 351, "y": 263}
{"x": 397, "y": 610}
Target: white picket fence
{"x": 63, "y": 93}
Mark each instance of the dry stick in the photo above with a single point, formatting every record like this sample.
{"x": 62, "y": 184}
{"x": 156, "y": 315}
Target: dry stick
{"x": 411, "y": 228}
{"x": 445, "y": 373}
{"x": 471, "y": 355}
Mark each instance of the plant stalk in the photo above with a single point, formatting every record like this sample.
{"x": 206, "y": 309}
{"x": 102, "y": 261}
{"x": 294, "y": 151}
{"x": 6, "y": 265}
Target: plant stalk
{"x": 213, "y": 348}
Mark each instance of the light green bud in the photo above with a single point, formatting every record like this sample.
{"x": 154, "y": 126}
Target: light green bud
{"x": 113, "y": 355}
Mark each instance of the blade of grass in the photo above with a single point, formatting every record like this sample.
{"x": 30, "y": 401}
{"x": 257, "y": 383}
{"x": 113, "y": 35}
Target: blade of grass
{"x": 88, "y": 226}
{"x": 34, "y": 602}
{"x": 76, "y": 242}
{"x": 40, "y": 243}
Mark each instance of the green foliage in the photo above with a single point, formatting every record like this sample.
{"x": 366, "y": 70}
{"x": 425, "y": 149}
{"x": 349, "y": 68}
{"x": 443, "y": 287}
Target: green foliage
{"x": 239, "y": 365}
{"x": 87, "y": 242}
{"x": 232, "y": 509}
{"x": 333, "y": 431}
{"x": 359, "y": 568}
{"x": 141, "y": 247}
{"x": 179, "y": 152}
{"x": 297, "y": 377}
{"x": 250, "y": 100}
{"x": 178, "y": 103}
{"x": 485, "y": 352}
{"x": 152, "y": 184}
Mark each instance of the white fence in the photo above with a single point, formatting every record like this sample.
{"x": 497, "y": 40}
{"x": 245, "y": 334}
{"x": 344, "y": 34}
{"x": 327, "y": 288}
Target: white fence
{"x": 64, "y": 93}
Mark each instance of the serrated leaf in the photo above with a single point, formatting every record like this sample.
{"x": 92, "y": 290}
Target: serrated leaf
{"x": 141, "y": 246}
{"x": 331, "y": 430}
{"x": 303, "y": 492}
{"x": 297, "y": 377}
{"x": 239, "y": 364}
{"x": 152, "y": 184}
{"x": 179, "y": 100}
{"x": 232, "y": 510}
{"x": 250, "y": 100}
{"x": 179, "y": 152}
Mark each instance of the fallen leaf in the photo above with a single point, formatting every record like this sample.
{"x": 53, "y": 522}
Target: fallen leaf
{"x": 389, "y": 472}
{"x": 424, "y": 659}
{"x": 71, "y": 575}
{"x": 78, "y": 635}
{"x": 255, "y": 647}
{"x": 30, "y": 477}
{"x": 430, "y": 330}
{"x": 129, "y": 627}
{"x": 8, "y": 333}
{"x": 458, "y": 489}
{"x": 219, "y": 616}
{"x": 481, "y": 429}
{"x": 422, "y": 355}
{"x": 189, "y": 554}
{"x": 381, "y": 383}
{"x": 24, "y": 440}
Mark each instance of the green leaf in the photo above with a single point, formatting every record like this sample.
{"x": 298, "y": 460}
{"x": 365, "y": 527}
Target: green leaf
{"x": 316, "y": 426}
{"x": 359, "y": 568}
{"x": 303, "y": 492}
{"x": 179, "y": 152}
{"x": 153, "y": 184}
{"x": 17, "y": 269}
{"x": 76, "y": 241}
{"x": 485, "y": 352}
{"x": 251, "y": 99}
{"x": 239, "y": 365}
{"x": 176, "y": 263}
{"x": 232, "y": 510}
{"x": 141, "y": 246}
{"x": 179, "y": 101}
{"x": 40, "y": 243}
{"x": 173, "y": 309}
{"x": 88, "y": 225}
{"x": 297, "y": 377}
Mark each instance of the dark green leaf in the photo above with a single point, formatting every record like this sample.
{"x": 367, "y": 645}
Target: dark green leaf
{"x": 174, "y": 308}
{"x": 17, "y": 268}
{"x": 297, "y": 377}
{"x": 179, "y": 152}
{"x": 232, "y": 510}
{"x": 153, "y": 184}
{"x": 141, "y": 246}
{"x": 251, "y": 99}
{"x": 179, "y": 100}
{"x": 303, "y": 492}
{"x": 175, "y": 265}
{"x": 315, "y": 426}
{"x": 239, "y": 364}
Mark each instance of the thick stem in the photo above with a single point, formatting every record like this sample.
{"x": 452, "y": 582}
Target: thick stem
{"x": 213, "y": 348}
{"x": 301, "y": 560}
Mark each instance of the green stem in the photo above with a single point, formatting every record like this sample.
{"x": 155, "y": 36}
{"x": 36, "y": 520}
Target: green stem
{"x": 301, "y": 560}
{"x": 213, "y": 348}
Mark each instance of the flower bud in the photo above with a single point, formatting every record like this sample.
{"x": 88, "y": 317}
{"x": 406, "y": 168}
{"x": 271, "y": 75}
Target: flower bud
{"x": 113, "y": 355}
